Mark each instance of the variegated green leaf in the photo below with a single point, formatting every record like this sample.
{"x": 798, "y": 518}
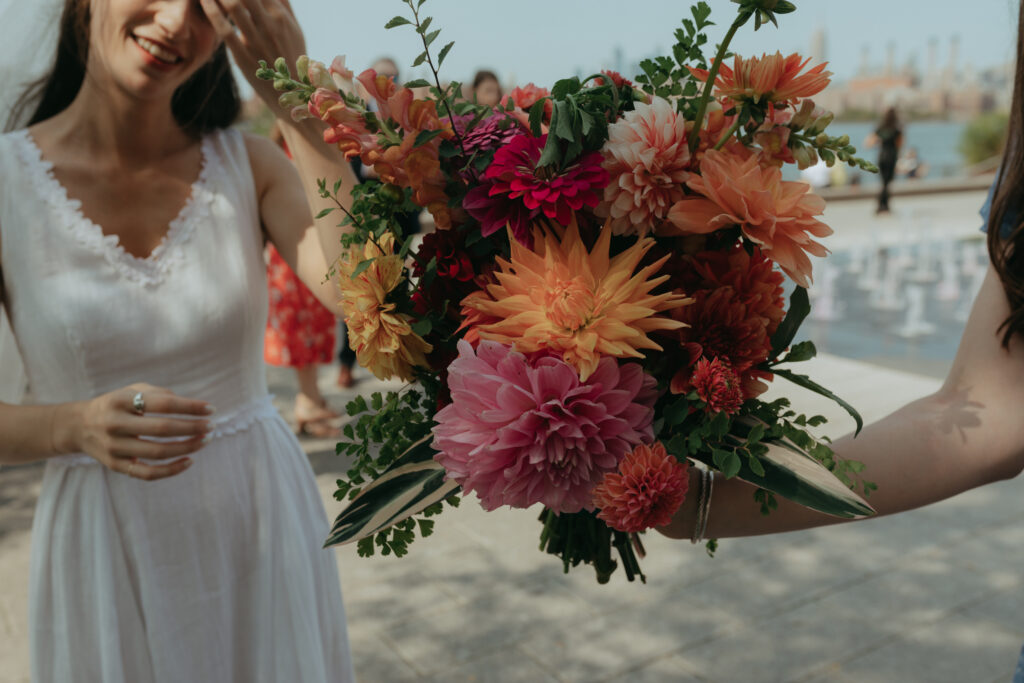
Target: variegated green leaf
{"x": 412, "y": 483}
{"x": 794, "y": 475}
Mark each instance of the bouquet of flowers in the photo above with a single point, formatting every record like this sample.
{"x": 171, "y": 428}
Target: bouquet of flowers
{"x": 602, "y": 301}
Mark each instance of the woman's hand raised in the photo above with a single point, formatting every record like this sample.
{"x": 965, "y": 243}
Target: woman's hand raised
{"x": 255, "y": 30}
{"x": 141, "y": 421}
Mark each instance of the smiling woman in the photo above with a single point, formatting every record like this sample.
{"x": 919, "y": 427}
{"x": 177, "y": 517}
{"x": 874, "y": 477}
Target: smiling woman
{"x": 171, "y": 542}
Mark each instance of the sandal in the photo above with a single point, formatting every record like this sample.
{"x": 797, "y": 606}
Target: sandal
{"x": 319, "y": 424}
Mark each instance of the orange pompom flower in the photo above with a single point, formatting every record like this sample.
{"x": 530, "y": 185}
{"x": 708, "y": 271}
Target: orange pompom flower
{"x": 771, "y": 78}
{"x": 778, "y": 215}
{"x": 381, "y": 337}
{"x": 646, "y": 491}
{"x": 580, "y": 305}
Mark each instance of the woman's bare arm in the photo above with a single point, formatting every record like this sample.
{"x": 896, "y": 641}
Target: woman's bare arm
{"x": 266, "y": 30}
{"x": 967, "y": 434}
{"x": 287, "y": 199}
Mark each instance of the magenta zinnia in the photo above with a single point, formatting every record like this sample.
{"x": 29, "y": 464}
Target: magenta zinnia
{"x": 521, "y": 431}
{"x": 516, "y": 190}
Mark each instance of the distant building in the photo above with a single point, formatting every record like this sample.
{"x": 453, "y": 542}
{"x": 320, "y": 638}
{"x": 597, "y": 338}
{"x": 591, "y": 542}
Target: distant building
{"x": 950, "y": 90}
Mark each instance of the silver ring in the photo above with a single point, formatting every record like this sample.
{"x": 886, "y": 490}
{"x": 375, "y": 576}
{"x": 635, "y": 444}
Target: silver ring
{"x": 138, "y": 403}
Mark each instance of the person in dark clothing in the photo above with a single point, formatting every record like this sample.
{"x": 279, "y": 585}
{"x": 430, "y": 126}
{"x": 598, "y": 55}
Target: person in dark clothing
{"x": 889, "y": 137}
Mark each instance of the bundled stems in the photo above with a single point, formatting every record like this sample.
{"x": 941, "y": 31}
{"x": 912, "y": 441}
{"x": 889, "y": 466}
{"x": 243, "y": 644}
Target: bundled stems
{"x": 705, "y": 97}
{"x": 582, "y": 537}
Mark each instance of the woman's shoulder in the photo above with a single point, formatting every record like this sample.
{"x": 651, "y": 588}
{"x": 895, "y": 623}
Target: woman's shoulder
{"x": 265, "y": 157}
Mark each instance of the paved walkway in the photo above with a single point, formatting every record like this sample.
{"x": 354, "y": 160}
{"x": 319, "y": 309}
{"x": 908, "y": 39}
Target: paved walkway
{"x": 932, "y": 595}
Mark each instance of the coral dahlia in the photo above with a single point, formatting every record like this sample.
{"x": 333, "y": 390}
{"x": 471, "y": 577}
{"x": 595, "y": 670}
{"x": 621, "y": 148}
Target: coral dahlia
{"x": 520, "y": 431}
{"x": 580, "y": 305}
{"x": 647, "y": 159}
{"x": 776, "y": 214}
{"x": 646, "y": 491}
{"x": 771, "y": 78}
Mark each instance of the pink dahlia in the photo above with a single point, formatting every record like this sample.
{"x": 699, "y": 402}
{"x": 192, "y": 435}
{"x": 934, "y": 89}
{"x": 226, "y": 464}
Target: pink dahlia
{"x": 517, "y": 190}
{"x": 717, "y": 385}
{"x": 646, "y": 491}
{"x": 521, "y": 431}
{"x": 647, "y": 158}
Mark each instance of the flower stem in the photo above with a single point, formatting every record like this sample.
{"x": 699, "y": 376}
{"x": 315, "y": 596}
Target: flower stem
{"x": 743, "y": 17}
{"x": 437, "y": 77}
{"x": 728, "y": 134}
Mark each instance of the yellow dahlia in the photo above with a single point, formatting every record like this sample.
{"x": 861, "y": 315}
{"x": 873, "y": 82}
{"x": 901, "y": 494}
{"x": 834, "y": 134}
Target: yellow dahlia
{"x": 581, "y": 305}
{"x": 381, "y": 337}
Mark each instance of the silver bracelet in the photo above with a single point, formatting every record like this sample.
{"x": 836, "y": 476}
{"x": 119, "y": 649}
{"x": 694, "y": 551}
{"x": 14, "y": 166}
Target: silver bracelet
{"x": 706, "y": 512}
{"x": 695, "y": 538}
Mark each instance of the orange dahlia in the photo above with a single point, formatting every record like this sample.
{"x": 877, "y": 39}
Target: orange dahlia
{"x": 771, "y": 78}
{"x": 776, "y": 214}
{"x": 558, "y": 297}
{"x": 646, "y": 491}
{"x": 381, "y": 336}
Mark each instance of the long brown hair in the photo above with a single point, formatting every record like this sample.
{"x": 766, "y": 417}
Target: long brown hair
{"x": 1007, "y": 250}
{"x": 207, "y": 101}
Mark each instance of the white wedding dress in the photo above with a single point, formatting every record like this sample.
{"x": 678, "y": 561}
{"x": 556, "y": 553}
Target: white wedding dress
{"x": 216, "y": 575}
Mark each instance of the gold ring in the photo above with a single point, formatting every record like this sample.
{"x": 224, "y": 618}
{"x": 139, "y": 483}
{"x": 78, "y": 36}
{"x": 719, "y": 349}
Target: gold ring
{"x": 131, "y": 470}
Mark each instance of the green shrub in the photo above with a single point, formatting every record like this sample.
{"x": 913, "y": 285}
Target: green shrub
{"x": 983, "y": 137}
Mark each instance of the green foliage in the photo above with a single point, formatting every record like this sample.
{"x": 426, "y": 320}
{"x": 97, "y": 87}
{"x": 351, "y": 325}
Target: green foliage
{"x": 668, "y": 77}
{"x": 381, "y": 431}
{"x": 764, "y": 11}
{"x": 983, "y": 137}
{"x": 445, "y": 96}
{"x": 579, "y": 119}
{"x": 783, "y": 423}
{"x": 799, "y": 307}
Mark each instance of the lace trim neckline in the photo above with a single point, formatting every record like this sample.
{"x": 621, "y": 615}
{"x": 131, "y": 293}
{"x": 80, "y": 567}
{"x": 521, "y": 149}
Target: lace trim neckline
{"x": 148, "y": 270}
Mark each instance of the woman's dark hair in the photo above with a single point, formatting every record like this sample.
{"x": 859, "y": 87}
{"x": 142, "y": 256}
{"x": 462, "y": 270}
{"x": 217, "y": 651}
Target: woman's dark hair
{"x": 485, "y": 75}
{"x": 207, "y": 101}
{"x": 1007, "y": 249}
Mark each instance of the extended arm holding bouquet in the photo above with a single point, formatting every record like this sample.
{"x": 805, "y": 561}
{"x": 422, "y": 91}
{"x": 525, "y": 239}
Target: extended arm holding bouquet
{"x": 967, "y": 434}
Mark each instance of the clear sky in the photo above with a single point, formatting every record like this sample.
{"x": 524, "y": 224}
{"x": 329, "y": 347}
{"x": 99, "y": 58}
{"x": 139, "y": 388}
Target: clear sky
{"x": 542, "y": 40}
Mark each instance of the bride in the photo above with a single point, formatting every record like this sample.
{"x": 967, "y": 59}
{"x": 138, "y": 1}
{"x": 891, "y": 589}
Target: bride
{"x": 178, "y": 531}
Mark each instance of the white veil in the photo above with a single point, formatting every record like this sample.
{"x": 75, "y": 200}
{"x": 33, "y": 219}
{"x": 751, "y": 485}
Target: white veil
{"x": 28, "y": 38}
